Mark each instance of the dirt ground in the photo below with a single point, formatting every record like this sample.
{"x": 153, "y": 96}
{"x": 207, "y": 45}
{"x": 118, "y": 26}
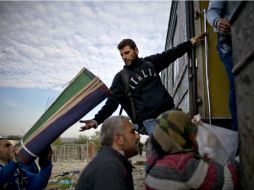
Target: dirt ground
{"x": 139, "y": 176}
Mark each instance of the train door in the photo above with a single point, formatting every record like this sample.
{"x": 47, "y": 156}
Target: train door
{"x": 212, "y": 82}
{"x": 186, "y": 79}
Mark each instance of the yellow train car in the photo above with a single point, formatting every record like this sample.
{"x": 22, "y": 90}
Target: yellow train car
{"x": 197, "y": 81}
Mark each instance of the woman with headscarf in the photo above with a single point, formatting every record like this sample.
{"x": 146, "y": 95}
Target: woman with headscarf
{"x": 175, "y": 163}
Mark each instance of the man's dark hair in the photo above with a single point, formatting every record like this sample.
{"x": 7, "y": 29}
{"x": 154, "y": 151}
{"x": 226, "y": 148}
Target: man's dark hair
{"x": 127, "y": 42}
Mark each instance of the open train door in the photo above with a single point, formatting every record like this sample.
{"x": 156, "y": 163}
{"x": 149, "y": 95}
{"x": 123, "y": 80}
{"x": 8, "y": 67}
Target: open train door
{"x": 185, "y": 79}
{"x": 211, "y": 82}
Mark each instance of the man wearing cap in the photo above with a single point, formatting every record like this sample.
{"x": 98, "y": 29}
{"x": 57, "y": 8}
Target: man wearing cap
{"x": 13, "y": 177}
{"x": 175, "y": 163}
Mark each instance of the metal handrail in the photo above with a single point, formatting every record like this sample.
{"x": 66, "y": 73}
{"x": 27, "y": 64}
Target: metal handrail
{"x": 206, "y": 70}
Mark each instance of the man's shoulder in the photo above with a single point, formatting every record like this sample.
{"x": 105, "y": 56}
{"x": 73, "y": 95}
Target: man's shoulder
{"x": 148, "y": 61}
{"x": 119, "y": 74}
{"x": 104, "y": 162}
{"x": 10, "y": 164}
{"x": 105, "y": 154}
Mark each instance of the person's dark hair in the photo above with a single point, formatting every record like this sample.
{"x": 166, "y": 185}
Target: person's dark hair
{"x": 110, "y": 127}
{"x": 127, "y": 42}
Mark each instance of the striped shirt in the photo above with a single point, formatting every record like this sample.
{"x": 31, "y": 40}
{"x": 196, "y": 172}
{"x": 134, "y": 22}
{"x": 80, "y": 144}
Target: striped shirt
{"x": 185, "y": 171}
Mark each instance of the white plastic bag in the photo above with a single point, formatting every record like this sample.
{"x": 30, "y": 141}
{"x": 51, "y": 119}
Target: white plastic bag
{"x": 216, "y": 142}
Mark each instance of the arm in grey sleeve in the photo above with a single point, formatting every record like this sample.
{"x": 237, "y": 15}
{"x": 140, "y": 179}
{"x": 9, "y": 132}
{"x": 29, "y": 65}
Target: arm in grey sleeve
{"x": 214, "y": 12}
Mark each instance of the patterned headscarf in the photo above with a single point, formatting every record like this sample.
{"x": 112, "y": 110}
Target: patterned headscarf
{"x": 173, "y": 132}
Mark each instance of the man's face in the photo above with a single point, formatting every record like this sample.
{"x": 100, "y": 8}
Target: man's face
{"x": 128, "y": 54}
{"x": 130, "y": 140}
{"x": 6, "y": 150}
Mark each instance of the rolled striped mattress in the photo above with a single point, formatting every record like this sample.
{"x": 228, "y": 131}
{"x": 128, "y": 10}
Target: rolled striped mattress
{"x": 83, "y": 93}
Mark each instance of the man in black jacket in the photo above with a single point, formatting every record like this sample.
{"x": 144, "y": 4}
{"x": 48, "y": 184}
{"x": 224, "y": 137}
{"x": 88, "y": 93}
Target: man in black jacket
{"x": 110, "y": 169}
{"x": 144, "y": 97}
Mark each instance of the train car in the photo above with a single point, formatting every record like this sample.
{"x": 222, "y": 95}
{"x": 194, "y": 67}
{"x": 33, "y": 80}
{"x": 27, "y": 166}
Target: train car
{"x": 198, "y": 81}
{"x": 243, "y": 58}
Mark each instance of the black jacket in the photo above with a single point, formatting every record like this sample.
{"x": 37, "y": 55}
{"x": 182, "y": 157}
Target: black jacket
{"x": 150, "y": 96}
{"x": 108, "y": 170}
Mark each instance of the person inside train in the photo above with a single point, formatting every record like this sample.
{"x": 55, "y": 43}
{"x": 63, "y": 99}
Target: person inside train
{"x": 218, "y": 18}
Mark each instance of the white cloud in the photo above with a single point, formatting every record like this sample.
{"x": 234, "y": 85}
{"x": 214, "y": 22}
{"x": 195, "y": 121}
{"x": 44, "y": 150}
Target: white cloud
{"x": 45, "y": 43}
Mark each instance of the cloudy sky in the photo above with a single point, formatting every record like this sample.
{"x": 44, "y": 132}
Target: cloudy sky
{"x": 43, "y": 45}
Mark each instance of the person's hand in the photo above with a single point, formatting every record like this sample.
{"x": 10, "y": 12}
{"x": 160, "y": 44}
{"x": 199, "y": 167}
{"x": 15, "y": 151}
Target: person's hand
{"x": 198, "y": 38}
{"x": 45, "y": 156}
{"x": 206, "y": 157}
{"x": 88, "y": 124}
{"x": 223, "y": 25}
{"x": 13, "y": 155}
{"x": 49, "y": 153}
